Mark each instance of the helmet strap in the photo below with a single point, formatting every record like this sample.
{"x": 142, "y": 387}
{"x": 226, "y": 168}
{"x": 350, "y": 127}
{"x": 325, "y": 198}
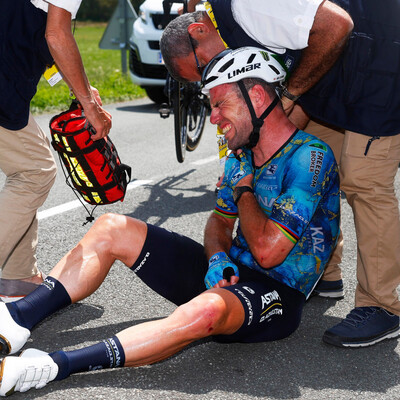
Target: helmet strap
{"x": 257, "y": 122}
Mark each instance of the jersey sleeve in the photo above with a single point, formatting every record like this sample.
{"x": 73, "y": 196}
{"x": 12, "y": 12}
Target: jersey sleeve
{"x": 69, "y": 5}
{"x": 225, "y": 205}
{"x": 279, "y": 25}
{"x": 308, "y": 173}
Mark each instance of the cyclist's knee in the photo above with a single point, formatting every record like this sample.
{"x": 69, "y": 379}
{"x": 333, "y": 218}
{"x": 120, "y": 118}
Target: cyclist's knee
{"x": 204, "y": 315}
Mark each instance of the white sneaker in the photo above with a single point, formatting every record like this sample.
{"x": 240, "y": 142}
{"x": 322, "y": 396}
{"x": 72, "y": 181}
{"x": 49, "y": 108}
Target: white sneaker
{"x": 33, "y": 368}
{"x": 12, "y": 336}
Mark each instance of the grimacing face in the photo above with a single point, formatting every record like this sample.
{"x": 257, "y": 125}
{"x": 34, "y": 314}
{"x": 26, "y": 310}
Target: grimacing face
{"x": 231, "y": 114}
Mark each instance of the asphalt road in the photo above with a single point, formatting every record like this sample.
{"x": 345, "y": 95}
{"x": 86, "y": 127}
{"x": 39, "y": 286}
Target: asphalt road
{"x": 180, "y": 197}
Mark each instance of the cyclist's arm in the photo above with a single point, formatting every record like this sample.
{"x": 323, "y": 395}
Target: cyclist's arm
{"x": 218, "y": 234}
{"x": 267, "y": 243}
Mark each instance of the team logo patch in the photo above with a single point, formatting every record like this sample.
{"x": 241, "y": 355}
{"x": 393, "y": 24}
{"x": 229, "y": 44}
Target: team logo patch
{"x": 271, "y": 169}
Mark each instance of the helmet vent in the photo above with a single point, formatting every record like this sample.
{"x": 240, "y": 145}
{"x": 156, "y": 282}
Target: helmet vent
{"x": 274, "y": 69}
{"x": 226, "y": 66}
{"x": 251, "y": 58}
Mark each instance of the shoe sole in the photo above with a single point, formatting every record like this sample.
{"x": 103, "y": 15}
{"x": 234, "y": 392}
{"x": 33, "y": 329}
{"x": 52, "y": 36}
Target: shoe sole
{"x": 338, "y": 295}
{"x": 389, "y": 335}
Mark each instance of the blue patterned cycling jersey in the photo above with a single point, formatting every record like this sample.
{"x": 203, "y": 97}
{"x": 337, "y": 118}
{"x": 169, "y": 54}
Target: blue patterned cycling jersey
{"x": 298, "y": 189}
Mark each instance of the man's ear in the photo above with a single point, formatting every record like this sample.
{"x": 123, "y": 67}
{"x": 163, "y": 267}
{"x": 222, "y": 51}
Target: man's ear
{"x": 257, "y": 96}
{"x": 198, "y": 30}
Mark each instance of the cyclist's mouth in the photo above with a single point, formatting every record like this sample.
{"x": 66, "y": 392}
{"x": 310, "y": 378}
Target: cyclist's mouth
{"x": 226, "y": 129}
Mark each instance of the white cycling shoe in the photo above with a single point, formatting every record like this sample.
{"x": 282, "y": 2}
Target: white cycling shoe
{"x": 12, "y": 336}
{"x": 32, "y": 369}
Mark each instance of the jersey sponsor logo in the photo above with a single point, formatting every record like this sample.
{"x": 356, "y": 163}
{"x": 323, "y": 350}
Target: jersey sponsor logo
{"x": 316, "y": 160}
{"x": 250, "y": 67}
{"x": 271, "y": 169}
{"x": 265, "y": 201}
{"x": 319, "y": 146}
{"x": 237, "y": 176}
{"x": 288, "y": 209}
{"x": 136, "y": 270}
{"x": 317, "y": 236}
{"x": 264, "y": 186}
{"x": 248, "y": 303}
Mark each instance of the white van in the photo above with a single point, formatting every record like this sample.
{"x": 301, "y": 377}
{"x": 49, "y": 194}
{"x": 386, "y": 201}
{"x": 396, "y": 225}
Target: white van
{"x": 146, "y": 67}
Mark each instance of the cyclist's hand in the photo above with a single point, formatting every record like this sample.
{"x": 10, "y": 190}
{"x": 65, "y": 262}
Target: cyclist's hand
{"x": 221, "y": 271}
{"x": 241, "y": 168}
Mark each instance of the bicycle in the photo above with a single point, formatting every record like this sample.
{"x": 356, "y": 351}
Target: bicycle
{"x": 190, "y": 106}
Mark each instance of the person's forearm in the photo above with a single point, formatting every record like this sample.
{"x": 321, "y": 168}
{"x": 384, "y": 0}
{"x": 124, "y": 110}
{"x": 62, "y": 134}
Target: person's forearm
{"x": 328, "y": 36}
{"x": 192, "y": 5}
{"x": 217, "y": 235}
{"x": 66, "y": 55}
{"x": 267, "y": 244}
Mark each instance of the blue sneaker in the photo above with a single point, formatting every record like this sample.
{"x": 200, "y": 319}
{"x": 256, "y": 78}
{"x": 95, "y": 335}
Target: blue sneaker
{"x": 329, "y": 289}
{"x": 363, "y": 326}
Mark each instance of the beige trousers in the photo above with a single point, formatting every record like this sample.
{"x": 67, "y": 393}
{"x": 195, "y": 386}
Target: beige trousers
{"x": 30, "y": 169}
{"x": 368, "y": 182}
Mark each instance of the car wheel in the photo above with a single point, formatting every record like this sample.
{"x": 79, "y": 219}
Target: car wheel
{"x": 156, "y": 94}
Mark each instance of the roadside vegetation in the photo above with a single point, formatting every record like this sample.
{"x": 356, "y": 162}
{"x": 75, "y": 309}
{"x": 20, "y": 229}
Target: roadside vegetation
{"x": 103, "y": 68}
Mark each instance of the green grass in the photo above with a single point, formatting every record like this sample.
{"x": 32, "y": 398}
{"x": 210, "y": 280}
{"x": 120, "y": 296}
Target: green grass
{"x": 103, "y": 68}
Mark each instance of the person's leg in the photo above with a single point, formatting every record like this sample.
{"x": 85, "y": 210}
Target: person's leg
{"x": 78, "y": 274}
{"x": 368, "y": 169}
{"x": 368, "y": 181}
{"x": 29, "y": 166}
{"x": 215, "y": 312}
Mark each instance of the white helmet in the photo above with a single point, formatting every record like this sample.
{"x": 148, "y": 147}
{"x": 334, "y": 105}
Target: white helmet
{"x": 246, "y": 62}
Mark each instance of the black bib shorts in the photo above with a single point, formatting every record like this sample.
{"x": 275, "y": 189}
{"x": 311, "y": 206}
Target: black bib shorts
{"x": 174, "y": 266}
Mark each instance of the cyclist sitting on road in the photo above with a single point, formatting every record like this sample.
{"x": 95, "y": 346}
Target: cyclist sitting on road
{"x": 282, "y": 185}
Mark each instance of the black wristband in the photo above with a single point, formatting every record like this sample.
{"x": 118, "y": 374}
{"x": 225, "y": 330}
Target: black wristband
{"x": 284, "y": 92}
{"x": 239, "y": 190}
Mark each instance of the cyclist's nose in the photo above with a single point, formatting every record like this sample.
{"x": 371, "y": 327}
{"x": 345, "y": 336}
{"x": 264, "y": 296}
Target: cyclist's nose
{"x": 214, "y": 117}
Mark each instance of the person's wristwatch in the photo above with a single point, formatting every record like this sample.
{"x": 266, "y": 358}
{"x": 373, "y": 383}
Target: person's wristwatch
{"x": 239, "y": 190}
{"x": 284, "y": 92}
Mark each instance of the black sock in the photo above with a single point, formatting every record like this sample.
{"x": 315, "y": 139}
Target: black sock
{"x": 48, "y": 298}
{"x": 106, "y": 354}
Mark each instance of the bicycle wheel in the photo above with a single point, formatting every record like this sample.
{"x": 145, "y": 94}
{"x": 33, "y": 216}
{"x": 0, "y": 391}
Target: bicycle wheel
{"x": 190, "y": 111}
{"x": 195, "y": 116}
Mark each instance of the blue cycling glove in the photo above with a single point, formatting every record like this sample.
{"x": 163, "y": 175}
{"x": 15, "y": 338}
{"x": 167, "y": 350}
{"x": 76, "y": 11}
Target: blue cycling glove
{"x": 219, "y": 267}
{"x": 239, "y": 168}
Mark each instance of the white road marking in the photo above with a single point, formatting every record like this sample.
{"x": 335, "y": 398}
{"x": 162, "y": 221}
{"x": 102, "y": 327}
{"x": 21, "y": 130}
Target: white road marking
{"x": 76, "y": 203}
{"x": 62, "y": 208}
{"x": 205, "y": 160}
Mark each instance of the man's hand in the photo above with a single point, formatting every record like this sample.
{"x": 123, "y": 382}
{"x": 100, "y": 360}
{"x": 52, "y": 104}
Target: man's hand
{"x": 241, "y": 170}
{"x": 219, "y": 264}
{"x": 287, "y": 105}
{"x": 99, "y": 118}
